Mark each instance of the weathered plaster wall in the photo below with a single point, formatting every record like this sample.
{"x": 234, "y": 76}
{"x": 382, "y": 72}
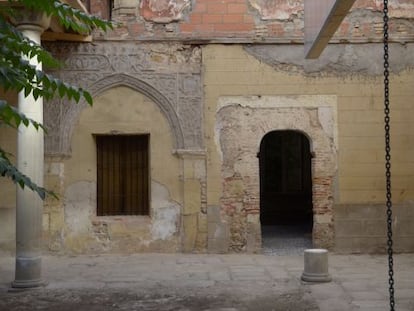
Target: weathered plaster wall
{"x": 170, "y": 78}
{"x": 359, "y": 183}
{"x": 246, "y": 21}
{"x": 121, "y": 110}
{"x": 185, "y": 87}
{"x": 170, "y": 74}
{"x": 241, "y": 124}
{"x": 361, "y": 228}
{"x": 339, "y": 60}
{"x": 152, "y": 88}
{"x": 164, "y": 11}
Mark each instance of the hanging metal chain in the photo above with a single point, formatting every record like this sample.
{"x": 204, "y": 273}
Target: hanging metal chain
{"x": 388, "y": 158}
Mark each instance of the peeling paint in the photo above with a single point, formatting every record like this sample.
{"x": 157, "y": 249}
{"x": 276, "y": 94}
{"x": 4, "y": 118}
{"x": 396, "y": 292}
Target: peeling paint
{"x": 397, "y": 8}
{"x": 326, "y": 119}
{"x": 79, "y": 206}
{"x": 338, "y": 59}
{"x": 164, "y": 11}
{"x": 165, "y": 213}
{"x": 165, "y": 221}
{"x": 277, "y": 9}
{"x": 243, "y": 123}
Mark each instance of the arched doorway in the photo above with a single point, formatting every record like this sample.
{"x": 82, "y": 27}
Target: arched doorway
{"x": 285, "y": 191}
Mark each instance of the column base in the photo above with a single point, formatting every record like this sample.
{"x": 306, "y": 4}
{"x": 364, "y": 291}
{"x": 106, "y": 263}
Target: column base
{"x": 17, "y": 286}
{"x": 316, "y": 266}
{"x": 28, "y": 273}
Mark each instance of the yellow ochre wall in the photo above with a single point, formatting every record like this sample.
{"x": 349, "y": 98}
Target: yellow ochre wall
{"x": 70, "y": 224}
{"x": 359, "y": 185}
{"x": 229, "y": 71}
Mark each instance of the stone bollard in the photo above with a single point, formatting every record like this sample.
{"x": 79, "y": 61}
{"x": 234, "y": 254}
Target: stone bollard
{"x": 316, "y": 266}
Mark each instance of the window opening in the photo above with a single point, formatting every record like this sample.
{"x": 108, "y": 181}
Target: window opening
{"x": 122, "y": 175}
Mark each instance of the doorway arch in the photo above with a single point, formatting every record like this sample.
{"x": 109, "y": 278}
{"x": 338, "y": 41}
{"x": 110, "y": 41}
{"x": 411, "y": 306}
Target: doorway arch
{"x": 242, "y": 122}
{"x": 286, "y": 209}
{"x": 285, "y": 179}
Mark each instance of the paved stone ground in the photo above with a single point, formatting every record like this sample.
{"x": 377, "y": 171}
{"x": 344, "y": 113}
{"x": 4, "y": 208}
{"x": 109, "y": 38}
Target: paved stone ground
{"x": 185, "y": 282}
{"x": 285, "y": 240}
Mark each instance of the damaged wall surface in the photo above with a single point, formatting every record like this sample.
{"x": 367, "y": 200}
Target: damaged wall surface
{"x": 241, "y": 124}
{"x": 160, "y": 88}
{"x": 347, "y": 171}
{"x": 83, "y": 230}
{"x": 246, "y": 21}
{"x": 207, "y": 80}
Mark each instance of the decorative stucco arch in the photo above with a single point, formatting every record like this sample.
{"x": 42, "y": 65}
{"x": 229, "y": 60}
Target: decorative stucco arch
{"x": 70, "y": 118}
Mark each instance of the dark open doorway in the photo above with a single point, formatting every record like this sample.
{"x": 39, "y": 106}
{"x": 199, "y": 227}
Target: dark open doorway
{"x": 285, "y": 192}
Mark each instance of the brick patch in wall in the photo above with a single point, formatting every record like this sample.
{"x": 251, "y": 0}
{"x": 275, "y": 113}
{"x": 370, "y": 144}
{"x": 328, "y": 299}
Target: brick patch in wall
{"x": 240, "y": 201}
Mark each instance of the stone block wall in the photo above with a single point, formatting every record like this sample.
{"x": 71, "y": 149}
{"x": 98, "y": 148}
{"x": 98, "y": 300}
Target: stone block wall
{"x": 245, "y": 77}
{"x": 363, "y": 228}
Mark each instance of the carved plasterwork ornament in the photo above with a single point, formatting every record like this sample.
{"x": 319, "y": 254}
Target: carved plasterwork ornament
{"x": 170, "y": 75}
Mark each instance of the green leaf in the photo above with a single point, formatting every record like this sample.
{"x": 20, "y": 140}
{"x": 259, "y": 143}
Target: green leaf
{"x": 13, "y": 118}
{"x": 19, "y": 75}
{"x": 88, "y": 97}
{"x": 61, "y": 88}
{"x": 8, "y": 170}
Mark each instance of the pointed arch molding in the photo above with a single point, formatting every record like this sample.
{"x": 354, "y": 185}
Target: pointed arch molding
{"x": 168, "y": 74}
{"x": 60, "y": 143}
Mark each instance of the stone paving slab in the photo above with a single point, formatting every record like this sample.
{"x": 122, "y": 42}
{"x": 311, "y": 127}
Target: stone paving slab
{"x": 359, "y": 282}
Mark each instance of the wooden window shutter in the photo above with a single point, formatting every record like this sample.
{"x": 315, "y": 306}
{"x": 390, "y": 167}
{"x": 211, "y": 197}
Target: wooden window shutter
{"x": 123, "y": 175}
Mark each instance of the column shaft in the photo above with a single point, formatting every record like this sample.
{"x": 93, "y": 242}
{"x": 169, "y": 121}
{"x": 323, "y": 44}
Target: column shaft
{"x": 29, "y": 209}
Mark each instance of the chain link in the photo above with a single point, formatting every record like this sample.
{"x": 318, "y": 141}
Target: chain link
{"x": 388, "y": 157}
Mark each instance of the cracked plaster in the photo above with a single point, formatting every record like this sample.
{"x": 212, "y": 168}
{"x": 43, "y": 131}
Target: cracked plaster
{"x": 241, "y": 124}
{"x": 164, "y": 11}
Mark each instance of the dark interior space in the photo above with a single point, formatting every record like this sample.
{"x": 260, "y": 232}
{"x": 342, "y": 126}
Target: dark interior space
{"x": 285, "y": 190}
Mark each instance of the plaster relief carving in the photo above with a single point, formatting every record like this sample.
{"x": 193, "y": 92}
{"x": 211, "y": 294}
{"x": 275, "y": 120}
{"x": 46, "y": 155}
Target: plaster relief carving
{"x": 87, "y": 62}
{"x": 192, "y": 128}
{"x": 121, "y": 63}
{"x": 163, "y": 72}
{"x": 164, "y": 11}
{"x": 188, "y": 83}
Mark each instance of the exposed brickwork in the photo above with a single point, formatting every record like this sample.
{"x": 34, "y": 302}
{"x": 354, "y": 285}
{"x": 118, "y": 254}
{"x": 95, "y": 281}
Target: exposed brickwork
{"x": 248, "y": 20}
{"x": 240, "y": 200}
{"x": 100, "y": 8}
{"x": 214, "y": 18}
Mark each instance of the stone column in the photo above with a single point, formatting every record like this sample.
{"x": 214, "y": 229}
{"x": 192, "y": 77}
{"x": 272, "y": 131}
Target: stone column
{"x": 29, "y": 209}
{"x": 194, "y": 220}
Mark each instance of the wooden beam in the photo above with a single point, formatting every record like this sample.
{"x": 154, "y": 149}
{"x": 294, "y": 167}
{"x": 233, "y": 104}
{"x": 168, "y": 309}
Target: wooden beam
{"x": 322, "y": 19}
